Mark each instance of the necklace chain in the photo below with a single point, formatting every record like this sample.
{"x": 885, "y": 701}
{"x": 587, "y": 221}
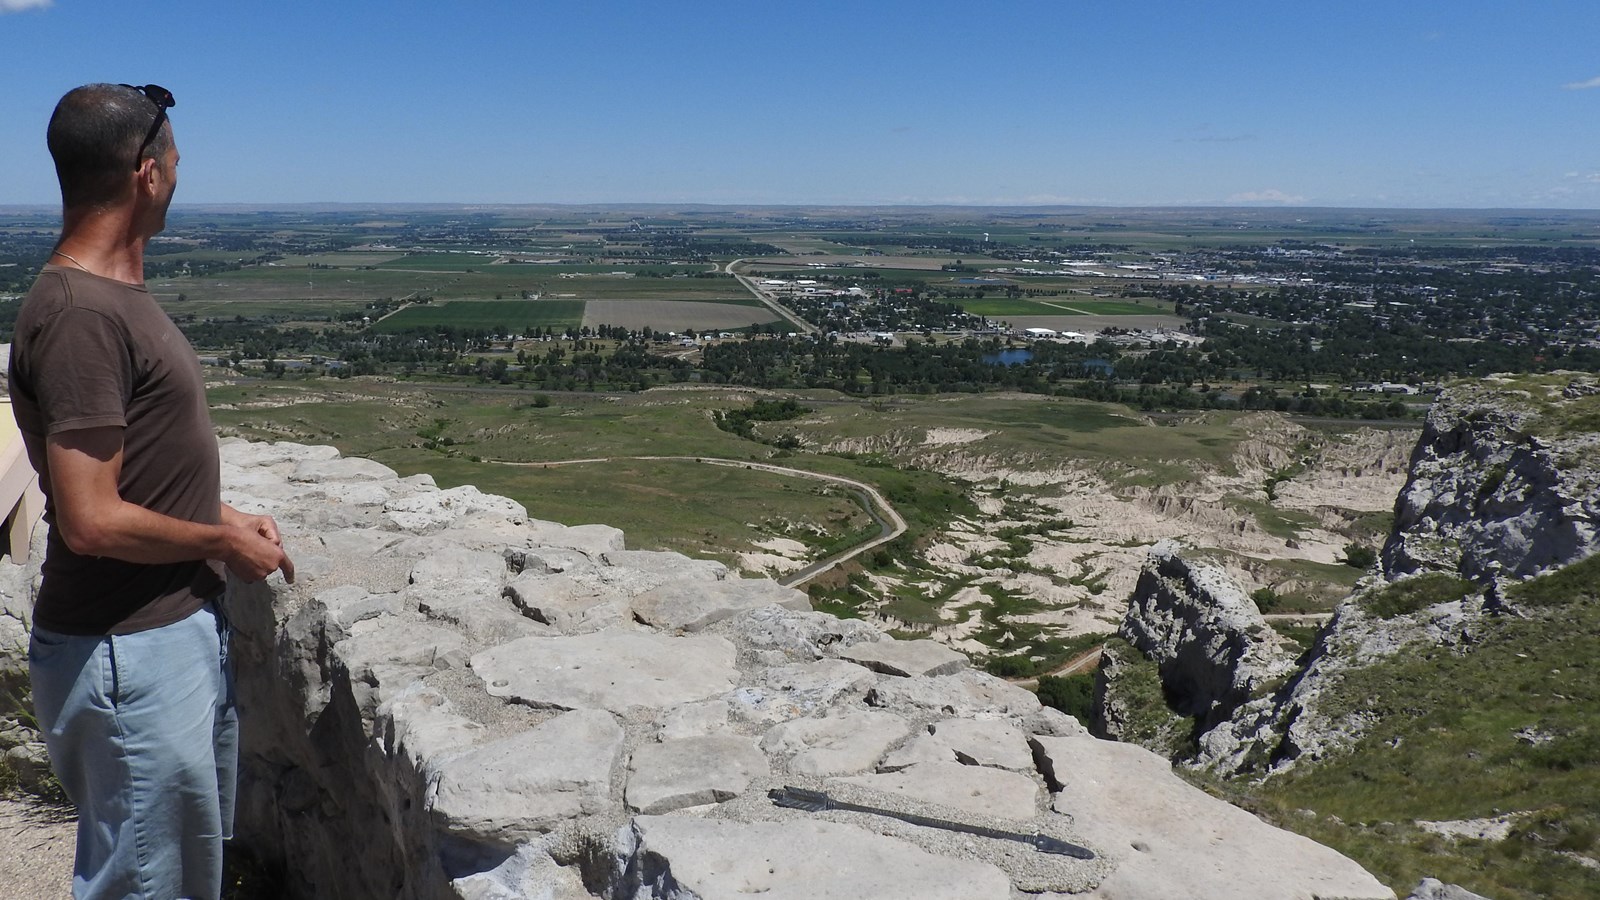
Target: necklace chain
{"x": 69, "y": 258}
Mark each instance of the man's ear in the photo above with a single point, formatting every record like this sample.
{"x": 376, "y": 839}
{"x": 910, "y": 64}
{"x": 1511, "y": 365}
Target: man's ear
{"x": 146, "y": 176}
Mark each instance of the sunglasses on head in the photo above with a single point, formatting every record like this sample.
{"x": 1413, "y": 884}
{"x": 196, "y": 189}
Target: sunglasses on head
{"x": 163, "y": 100}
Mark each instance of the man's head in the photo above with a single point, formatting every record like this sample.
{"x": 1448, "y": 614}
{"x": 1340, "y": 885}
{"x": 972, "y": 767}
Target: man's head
{"x": 104, "y": 135}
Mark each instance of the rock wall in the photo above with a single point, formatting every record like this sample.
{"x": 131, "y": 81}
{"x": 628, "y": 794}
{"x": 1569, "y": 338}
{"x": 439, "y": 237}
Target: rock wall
{"x": 1213, "y": 648}
{"x": 457, "y": 701}
{"x": 1504, "y": 484}
{"x": 1505, "y": 481}
{"x": 1275, "y": 732}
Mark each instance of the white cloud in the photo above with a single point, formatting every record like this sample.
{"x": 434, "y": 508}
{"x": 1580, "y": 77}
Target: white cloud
{"x": 1582, "y": 85}
{"x": 1269, "y": 196}
{"x": 11, "y": 6}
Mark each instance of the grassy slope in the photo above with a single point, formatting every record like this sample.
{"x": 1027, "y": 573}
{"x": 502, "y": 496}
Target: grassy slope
{"x": 1445, "y": 745}
{"x": 681, "y": 506}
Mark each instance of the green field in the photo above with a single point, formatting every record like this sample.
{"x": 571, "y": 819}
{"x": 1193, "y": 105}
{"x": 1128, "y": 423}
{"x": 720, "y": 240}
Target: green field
{"x": 461, "y": 437}
{"x": 502, "y": 316}
{"x": 1001, "y": 308}
{"x": 296, "y": 282}
{"x": 701, "y": 510}
{"x": 1038, "y": 431}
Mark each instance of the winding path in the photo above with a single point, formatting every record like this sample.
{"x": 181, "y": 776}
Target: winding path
{"x": 890, "y": 523}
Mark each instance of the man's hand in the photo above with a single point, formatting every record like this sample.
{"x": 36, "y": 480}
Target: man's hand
{"x": 252, "y": 560}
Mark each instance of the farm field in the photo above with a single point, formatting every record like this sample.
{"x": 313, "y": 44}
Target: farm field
{"x": 676, "y": 315}
{"x": 499, "y": 316}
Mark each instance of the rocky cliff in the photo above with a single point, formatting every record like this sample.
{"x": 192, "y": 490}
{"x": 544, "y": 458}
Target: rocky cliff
{"x": 1505, "y": 481}
{"x": 1504, "y": 485}
{"x": 458, "y": 701}
{"x": 1212, "y": 648}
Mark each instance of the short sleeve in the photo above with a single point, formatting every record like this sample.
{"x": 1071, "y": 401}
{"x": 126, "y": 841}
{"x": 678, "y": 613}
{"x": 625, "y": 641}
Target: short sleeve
{"x": 81, "y": 372}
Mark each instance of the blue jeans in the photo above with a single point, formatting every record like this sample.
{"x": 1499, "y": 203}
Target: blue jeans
{"x": 143, "y": 734}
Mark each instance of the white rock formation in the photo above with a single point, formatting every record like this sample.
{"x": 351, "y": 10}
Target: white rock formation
{"x": 1212, "y": 646}
{"x": 1499, "y": 487}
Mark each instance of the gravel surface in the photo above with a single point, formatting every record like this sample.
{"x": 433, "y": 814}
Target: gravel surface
{"x": 36, "y": 846}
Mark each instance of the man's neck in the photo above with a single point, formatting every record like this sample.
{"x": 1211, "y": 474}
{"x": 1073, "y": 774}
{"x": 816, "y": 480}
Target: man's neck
{"x": 104, "y": 243}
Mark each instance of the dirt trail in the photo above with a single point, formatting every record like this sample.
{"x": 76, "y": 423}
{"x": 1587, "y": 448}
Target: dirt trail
{"x": 890, "y": 524}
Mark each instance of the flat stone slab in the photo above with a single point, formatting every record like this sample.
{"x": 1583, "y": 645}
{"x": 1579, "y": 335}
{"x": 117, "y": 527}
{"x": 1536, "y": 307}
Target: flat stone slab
{"x": 610, "y": 670}
{"x": 906, "y": 657}
{"x": 668, "y": 563}
{"x": 425, "y": 727}
{"x": 799, "y": 690}
{"x": 399, "y": 641}
{"x": 966, "y": 693}
{"x": 564, "y": 603}
{"x": 1168, "y": 838}
{"x": 351, "y": 468}
{"x": 844, "y": 744}
{"x": 988, "y": 792}
{"x": 512, "y": 789}
{"x": 457, "y": 566}
{"x": 691, "y": 772}
{"x": 974, "y": 742}
{"x": 807, "y": 860}
{"x": 432, "y": 510}
{"x": 592, "y": 540}
{"x": 797, "y": 634}
{"x": 484, "y": 619}
{"x": 693, "y": 605}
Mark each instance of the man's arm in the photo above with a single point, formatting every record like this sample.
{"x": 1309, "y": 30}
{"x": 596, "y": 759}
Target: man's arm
{"x": 95, "y": 521}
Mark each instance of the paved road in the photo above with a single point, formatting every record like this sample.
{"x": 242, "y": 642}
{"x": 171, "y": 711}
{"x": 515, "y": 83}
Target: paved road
{"x": 770, "y": 301}
{"x": 890, "y": 524}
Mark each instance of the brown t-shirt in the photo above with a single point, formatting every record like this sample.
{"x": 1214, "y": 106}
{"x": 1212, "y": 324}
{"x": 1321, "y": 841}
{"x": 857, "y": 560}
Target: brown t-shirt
{"x": 91, "y": 352}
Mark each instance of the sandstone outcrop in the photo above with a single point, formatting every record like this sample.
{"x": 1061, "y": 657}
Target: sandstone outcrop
{"x": 1504, "y": 485}
{"x": 1211, "y": 645}
{"x": 1505, "y": 481}
{"x": 456, "y": 701}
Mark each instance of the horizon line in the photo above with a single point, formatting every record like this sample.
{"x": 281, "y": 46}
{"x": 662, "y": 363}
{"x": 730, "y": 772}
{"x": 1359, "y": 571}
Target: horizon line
{"x": 689, "y": 204}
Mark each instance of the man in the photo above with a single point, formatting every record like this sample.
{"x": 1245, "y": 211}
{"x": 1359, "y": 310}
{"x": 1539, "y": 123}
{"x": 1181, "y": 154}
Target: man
{"x": 128, "y": 657}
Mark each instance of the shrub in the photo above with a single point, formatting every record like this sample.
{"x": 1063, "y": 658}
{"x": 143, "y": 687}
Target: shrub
{"x": 1359, "y": 556}
{"x": 1072, "y": 694}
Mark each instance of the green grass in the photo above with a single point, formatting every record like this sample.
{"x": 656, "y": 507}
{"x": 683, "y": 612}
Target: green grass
{"x": 1038, "y": 431}
{"x": 696, "y": 509}
{"x": 672, "y": 505}
{"x": 511, "y": 315}
{"x": 1410, "y": 595}
{"x": 452, "y": 262}
{"x": 280, "y": 311}
{"x": 1002, "y": 308}
{"x": 1137, "y": 690}
{"x": 1282, "y": 523}
{"x": 1120, "y": 308}
{"x": 1442, "y": 742}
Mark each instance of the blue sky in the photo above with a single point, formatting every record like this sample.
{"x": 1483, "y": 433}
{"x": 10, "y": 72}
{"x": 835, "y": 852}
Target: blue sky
{"x": 1389, "y": 104}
